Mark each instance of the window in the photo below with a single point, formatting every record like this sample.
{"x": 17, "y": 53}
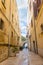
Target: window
{"x": 30, "y": 5}
{"x": 42, "y": 1}
{"x": 18, "y": 38}
{"x": 13, "y": 1}
{"x": 31, "y": 23}
{"x": 3, "y": 2}
{"x": 12, "y": 17}
{"x": 35, "y": 9}
{"x": 42, "y": 27}
{"x": 38, "y": 5}
{"x": 11, "y": 34}
{"x": 1, "y": 24}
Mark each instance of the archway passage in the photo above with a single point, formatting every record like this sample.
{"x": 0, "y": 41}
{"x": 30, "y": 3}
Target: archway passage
{"x": 25, "y": 45}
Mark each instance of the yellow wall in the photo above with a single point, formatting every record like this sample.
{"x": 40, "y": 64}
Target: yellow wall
{"x": 39, "y": 33}
{"x": 10, "y": 26}
{"x": 39, "y": 21}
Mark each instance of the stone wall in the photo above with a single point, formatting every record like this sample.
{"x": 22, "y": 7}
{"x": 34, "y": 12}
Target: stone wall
{"x": 3, "y": 53}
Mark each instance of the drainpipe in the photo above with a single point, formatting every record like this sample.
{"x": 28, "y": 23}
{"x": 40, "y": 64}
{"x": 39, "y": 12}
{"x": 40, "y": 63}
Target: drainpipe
{"x": 9, "y": 30}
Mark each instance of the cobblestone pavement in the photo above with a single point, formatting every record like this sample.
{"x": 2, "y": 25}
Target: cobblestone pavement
{"x": 24, "y": 57}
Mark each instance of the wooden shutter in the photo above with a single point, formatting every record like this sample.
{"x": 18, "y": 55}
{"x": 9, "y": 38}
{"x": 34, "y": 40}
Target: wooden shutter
{"x": 35, "y": 9}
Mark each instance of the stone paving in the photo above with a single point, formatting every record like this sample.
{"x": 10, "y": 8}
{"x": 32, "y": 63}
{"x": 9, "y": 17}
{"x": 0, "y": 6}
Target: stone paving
{"x": 35, "y": 59}
{"x": 24, "y": 57}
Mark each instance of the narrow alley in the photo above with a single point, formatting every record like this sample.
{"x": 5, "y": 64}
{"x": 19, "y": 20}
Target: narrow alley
{"x": 21, "y": 32}
{"x": 24, "y": 57}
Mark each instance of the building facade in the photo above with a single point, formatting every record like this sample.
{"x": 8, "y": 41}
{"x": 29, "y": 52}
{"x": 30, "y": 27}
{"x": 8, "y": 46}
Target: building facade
{"x": 9, "y": 27}
{"x": 36, "y": 27}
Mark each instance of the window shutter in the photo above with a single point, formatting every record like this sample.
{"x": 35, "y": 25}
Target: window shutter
{"x": 35, "y": 9}
{"x": 1, "y": 24}
{"x": 38, "y": 3}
